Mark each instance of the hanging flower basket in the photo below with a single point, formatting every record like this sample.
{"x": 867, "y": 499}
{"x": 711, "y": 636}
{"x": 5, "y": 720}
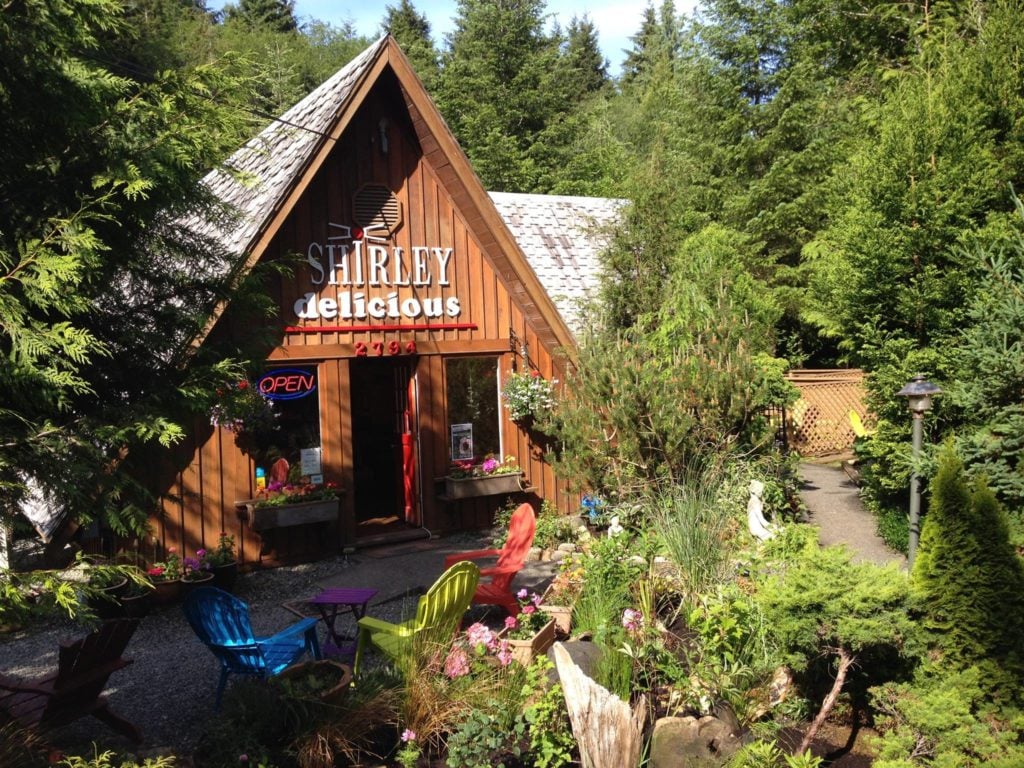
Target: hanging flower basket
{"x": 528, "y": 396}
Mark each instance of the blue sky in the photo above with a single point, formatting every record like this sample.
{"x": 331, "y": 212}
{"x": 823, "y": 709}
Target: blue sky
{"x": 616, "y": 20}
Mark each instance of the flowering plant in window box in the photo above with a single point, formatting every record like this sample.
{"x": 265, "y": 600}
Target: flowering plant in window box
{"x": 286, "y": 505}
{"x": 528, "y": 395}
{"x": 280, "y": 494}
{"x": 488, "y": 478}
{"x": 460, "y": 470}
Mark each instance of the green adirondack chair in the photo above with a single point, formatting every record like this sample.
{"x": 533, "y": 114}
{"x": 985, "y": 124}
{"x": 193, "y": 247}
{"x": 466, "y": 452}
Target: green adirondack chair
{"x": 439, "y": 610}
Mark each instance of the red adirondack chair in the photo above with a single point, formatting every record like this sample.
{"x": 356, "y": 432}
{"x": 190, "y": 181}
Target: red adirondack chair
{"x": 76, "y": 689}
{"x": 495, "y": 586}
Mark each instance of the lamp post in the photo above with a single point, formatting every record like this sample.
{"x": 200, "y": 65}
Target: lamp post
{"x": 919, "y": 392}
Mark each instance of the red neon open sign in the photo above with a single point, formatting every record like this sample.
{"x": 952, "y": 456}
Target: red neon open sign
{"x": 286, "y": 383}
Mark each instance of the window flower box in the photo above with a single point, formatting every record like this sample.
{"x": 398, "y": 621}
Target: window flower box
{"x": 492, "y": 485}
{"x": 262, "y": 517}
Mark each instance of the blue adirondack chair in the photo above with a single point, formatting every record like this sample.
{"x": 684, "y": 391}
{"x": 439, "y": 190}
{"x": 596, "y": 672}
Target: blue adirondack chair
{"x": 221, "y": 621}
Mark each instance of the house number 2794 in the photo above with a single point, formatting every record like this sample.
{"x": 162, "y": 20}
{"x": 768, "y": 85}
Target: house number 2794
{"x": 379, "y": 348}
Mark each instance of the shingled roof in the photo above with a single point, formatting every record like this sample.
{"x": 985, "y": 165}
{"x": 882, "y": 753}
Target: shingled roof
{"x": 561, "y": 237}
{"x": 256, "y": 178}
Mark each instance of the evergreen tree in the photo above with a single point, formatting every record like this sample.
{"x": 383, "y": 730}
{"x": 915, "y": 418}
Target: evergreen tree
{"x": 411, "y": 30}
{"x": 99, "y": 288}
{"x": 274, "y": 15}
{"x": 499, "y": 87}
{"x": 583, "y": 61}
{"x": 657, "y": 38}
{"x": 968, "y": 580}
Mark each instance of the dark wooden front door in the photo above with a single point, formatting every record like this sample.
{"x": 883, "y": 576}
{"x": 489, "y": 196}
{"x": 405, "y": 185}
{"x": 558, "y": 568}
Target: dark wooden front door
{"x": 381, "y": 415}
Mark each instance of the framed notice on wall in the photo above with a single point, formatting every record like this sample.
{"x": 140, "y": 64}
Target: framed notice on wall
{"x": 462, "y": 442}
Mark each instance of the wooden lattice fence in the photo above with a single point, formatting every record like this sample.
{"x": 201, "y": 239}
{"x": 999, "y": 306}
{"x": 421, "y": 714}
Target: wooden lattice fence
{"x": 818, "y": 424}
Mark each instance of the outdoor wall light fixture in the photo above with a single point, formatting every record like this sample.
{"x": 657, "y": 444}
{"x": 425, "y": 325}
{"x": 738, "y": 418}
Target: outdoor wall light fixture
{"x": 919, "y": 392}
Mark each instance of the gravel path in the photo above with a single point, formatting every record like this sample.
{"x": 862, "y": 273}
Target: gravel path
{"x": 168, "y": 690}
{"x": 834, "y": 506}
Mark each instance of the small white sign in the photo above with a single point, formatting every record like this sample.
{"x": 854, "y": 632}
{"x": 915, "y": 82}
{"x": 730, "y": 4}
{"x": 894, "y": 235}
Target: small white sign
{"x": 310, "y": 460}
{"x": 462, "y": 442}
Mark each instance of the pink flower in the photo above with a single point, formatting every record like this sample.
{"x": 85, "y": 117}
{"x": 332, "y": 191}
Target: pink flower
{"x": 536, "y": 599}
{"x": 155, "y": 571}
{"x": 489, "y": 466}
{"x": 529, "y": 608}
{"x": 521, "y": 594}
{"x": 632, "y": 620}
{"x": 478, "y": 634}
{"x": 457, "y": 663}
{"x": 511, "y": 622}
{"x": 200, "y": 553}
{"x": 504, "y": 653}
{"x": 408, "y": 735}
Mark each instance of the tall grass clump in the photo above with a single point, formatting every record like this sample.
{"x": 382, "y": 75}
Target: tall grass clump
{"x": 693, "y": 526}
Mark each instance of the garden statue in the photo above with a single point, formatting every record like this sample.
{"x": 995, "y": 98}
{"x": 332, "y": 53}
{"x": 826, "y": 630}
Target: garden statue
{"x": 759, "y": 527}
{"x": 614, "y": 529}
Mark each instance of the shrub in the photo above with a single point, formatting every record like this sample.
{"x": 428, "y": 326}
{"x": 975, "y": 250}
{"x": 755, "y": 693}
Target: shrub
{"x": 967, "y": 578}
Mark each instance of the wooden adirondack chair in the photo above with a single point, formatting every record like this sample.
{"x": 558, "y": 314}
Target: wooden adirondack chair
{"x": 497, "y": 589}
{"x": 221, "y": 621}
{"x": 439, "y": 611}
{"x": 76, "y": 689}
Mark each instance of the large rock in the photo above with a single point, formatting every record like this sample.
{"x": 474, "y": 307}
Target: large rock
{"x": 686, "y": 742}
{"x": 584, "y": 654}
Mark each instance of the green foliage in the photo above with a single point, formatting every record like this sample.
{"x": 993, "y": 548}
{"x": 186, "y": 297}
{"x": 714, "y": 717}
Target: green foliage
{"x": 732, "y": 651}
{"x": 551, "y": 741}
{"x": 946, "y": 718}
{"x": 820, "y": 601}
{"x": 691, "y": 523}
{"x": 554, "y": 528}
{"x": 766, "y": 754}
{"x": 107, "y": 760}
{"x": 411, "y": 31}
{"x": 988, "y": 389}
{"x": 968, "y": 581}
{"x": 275, "y": 15}
{"x": 654, "y": 406}
{"x": 487, "y": 738}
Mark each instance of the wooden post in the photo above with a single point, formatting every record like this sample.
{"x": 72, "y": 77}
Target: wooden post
{"x": 608, "y": 733}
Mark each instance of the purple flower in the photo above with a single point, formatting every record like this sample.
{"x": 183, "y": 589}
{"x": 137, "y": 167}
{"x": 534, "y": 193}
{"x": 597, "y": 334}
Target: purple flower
{"x": 408, "y": 735}
{"x": 489, "y": 466}
{"x": 521, "y": 594}
{"x": 536, "y": 599}
{"x": 243, "y": 758}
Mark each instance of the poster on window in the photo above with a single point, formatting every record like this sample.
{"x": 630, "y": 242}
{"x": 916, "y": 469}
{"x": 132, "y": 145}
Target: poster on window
{"x": 462, "y": 442}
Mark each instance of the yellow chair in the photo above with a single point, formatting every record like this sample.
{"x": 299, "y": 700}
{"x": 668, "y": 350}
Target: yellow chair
{"x": 440, "y": 611}
{"x": 858, "y": 426}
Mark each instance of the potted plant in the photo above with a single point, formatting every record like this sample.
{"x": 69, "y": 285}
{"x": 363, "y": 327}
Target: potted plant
{"x": 488, "y": 478}
{"x": 166, "y": 578}
{"x": 106, "y": 584}
{"x": 562, "y": 594}
{"x": 195, "y": 571}
{"x": 528, "y": 396}
{"x": 325, "y": 680}
{"x": 282, "y": 505}
{"x": 242, "y": 409}
{"x": 530, "y": 633}
{"x": 223, "y": 562}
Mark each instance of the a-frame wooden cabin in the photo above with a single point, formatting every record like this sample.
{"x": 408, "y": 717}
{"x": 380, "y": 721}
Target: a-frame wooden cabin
{"x": 412, "y": 305}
